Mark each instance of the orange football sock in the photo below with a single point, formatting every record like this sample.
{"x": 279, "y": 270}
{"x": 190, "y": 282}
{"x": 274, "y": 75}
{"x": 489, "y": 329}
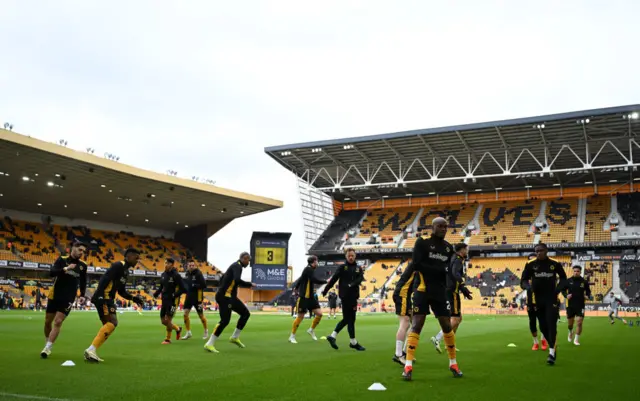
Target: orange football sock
{"x": 104, "y": 333}
{"x": 316, "y": 322}
{"x": 296, "y": 324}
{"x": 412, "y": 345}
{"x": 187, "y": 322}
{"x": 450, "y": 341}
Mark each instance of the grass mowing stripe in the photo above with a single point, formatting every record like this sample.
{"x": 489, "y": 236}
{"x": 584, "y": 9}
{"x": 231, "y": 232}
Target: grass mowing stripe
{"x": 32, "y": 397}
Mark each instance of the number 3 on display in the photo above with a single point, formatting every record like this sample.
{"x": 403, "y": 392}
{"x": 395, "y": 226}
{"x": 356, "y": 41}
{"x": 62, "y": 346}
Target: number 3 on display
{"x": 270, "y": 255}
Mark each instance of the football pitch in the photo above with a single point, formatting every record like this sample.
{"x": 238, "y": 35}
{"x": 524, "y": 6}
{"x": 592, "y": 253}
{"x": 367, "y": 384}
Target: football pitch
{"x": 138, "y": 367}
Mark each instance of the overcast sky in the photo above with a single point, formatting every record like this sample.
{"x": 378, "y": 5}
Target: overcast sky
{"x": 202, "y": 87}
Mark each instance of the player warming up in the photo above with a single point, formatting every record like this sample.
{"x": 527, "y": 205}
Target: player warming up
{"x": 113, "y": 280}
{"x": 37, "y": 307}
{"x": 227, "y": 299}
{"x": 307, "y": 300}
{"x": 293, "y": 301}
{"x": 350, "y": 276}
{"x": 171, "y": 288}
{"x": 540, "y": 276}
{"x": 402, "y": 301}
{"x": 70, "y": 272}
{"x": 455, "y": 285}
{"x": 196, "y": 285}
{"x": 613, "y": 309}
{"x": 333, "y": 304}
{"x": 533, "y": 320}
{"x": 576, "y": 292}
{"x": 431, "y": 258}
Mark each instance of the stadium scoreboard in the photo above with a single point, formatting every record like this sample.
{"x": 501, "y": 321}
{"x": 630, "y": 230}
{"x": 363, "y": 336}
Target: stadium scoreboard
{"x": 269, "y": 254}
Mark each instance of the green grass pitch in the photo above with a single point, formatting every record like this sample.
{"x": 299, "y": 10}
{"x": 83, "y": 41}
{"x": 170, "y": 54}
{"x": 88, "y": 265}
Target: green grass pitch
{"x": 137, "y": 367}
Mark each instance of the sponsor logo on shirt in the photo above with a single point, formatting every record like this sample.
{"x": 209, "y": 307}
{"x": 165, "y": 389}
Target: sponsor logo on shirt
{"x": 438, "y": 256}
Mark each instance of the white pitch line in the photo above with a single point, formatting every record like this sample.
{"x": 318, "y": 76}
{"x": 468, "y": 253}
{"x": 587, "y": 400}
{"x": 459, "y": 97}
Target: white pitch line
{"x": 32, "y": 397}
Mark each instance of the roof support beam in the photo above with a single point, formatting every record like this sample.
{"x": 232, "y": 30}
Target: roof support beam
{"x": 473, "y": 157}
{"x": 587, "y": 152}
{"x": 285, "y": 163}
{"x": 437, "y": 159}
{"x": 348, "y": 171}
{"x": 509, "y": 154}
{"x": 546, "y": 147}
{"x": 305, "y": 164}
{"x": 506, "y": 147}
{"x": 588, "y": 161}
{"x": 558, "y": 179}
{"x": 313, "y": 175}
{"x": 580, "y": 169}
{"x": 369, "y": 161}
{"x": 395, "y": 152}
{"x": 544, "y": 140}
{"x": 576, "y": 150}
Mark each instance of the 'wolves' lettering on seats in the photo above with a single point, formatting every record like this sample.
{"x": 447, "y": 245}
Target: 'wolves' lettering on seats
{"x": 559, "y": 213}
{"x": 397, "y": 223}
{"x": 519, "y": 213}
{"x": 450, "y": 215}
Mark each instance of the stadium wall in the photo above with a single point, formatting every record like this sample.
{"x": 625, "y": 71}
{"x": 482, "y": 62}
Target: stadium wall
{"x": 96, "y": 225}
{"x": 196, "y": 239}
{"x": 247, "y": 295}
{"x": 549, "y": 193}
{"x": 337, "y": 207}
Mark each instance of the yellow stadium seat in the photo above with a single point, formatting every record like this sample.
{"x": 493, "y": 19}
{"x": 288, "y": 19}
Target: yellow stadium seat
{"x": 507, "y": 222}
{"x": 598, "y": 208}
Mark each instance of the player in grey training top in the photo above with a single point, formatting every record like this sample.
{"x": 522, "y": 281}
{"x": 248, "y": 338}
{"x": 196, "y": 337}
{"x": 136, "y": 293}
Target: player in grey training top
{"x": 613, "y": 309}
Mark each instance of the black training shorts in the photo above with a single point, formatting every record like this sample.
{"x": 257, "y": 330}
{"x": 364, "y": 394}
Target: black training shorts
{"x": 403, "y": 305}
{"x": 573, "y": 311}
{"x": 59, "y": 305}
{"x": 456, "y": 306}
{"x": 169, "y": 307}
{"x": 193, "y": 302}
{"x": 305, "y": 305}
{"x": 437, "y": 302}
{"x": 105, "y": 308}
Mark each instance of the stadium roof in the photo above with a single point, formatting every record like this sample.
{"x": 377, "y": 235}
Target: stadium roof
{"x": 45, "y": 178}
{"x": 568, "y": 149}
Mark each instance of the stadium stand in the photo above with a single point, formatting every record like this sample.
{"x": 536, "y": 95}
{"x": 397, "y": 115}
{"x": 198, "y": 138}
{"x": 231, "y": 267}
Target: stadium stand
{"x": 499, "y": 210}
{"x": 561, "y": 217}
{"x": 283, "y": 299}
{"x": 492, "y": 274}
{"x": 600, "y": 277}
{"x": 458, "y": 217}
{"x": 629, "y": 274}
{"x": 628, "y": 208}
{"x": 333, "y": 236}
{"x": 38, "y": 243}
{"x": 411, "y": 241}
{"x": 387, "y": 223}
{"x": 378, "y": 273}
{"x": 598, "y": 209}
{"x": 121, "y": 206}
{"x": 6, "y": 254}
{"x": 506, "y": 222}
